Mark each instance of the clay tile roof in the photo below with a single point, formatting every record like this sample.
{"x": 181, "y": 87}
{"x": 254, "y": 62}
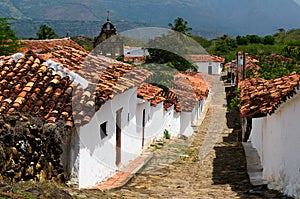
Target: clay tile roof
{"x": 189, "y": 88}
{"x": 251, "y": 64}
{"x": 38, "y": 46}
{"x": 150, "y": 93}
{"x": 136, "y": 59}
{"x": 260, "y": 97}
{"x": 186, "y": 89}
{"x": 200, "y": 83}
{"x": 57, "y": 92}
{"x": 205, "y": 58}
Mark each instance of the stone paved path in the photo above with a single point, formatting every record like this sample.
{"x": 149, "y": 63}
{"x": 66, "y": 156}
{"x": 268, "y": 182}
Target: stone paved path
{"x": 210, "y": 164}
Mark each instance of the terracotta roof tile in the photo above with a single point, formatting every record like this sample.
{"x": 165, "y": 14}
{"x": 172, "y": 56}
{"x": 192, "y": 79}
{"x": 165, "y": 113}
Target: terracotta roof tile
{"x": 43, "y": 46}
{"x": 185, "y": 91}
{"x": 38, "y": 86}
{"x": 150, "y": 93}
{"x": 205, "y": 58}
{"x": 29, "y": 85}
{"x": 260, "y": 97}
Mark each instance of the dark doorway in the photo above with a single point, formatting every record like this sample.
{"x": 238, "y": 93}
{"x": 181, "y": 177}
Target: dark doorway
{"x": 210, "y": 70}
{"x": 118, "y": 137}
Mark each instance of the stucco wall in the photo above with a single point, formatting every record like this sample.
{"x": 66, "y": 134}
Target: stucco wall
{"x": 172, "y": 122}
{"x": 277, "y": 140}
{"x": 186, "y": 119}
{"x": 203, "y": 67}
{"x": 198, "y": 111}
{"x": 175, "y": 124}
{"x": 156, "y": 124}
{"x": 256, "y": 136}
{"x": 98, "y": 156}
{"x": 142, "y": 105}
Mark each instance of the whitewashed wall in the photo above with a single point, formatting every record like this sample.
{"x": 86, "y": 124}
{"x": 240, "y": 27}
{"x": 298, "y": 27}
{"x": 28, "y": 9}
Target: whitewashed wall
{"x": 277, "y": 140}
{"x": 172, "y": 121}
{"x": 98, "y": 156}
{"x": 203, "y": 67}
{"x": 142, "y": 105}
{"x": 156, "y": 124}
{"x": 95, "y": 158}
{"x": 175, "y": 124}
{"x": 186, "y": 119}
{"x": 197, "y": 112}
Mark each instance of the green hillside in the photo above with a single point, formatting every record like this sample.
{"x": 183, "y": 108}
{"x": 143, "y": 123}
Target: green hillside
{"x": 209, "y": 18}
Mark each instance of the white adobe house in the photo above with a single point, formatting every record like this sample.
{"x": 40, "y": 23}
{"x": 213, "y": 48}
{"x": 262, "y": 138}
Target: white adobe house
{"x": 137, "y": 55}
{"x": 176, "y": 110}
{"x": 206, "y": 63}
{"x": 124, "y": 126}
{"x": 275, "y": 129}
{"x": 110, "y": 140}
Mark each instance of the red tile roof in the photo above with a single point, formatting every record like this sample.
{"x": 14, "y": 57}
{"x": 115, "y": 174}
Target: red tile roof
{"x": 200, "y": 83}
{"x": 189, "y": 88}
{"x": 186, "y": 90}
{"x": 205, "y": 58}
{"x": 251, "y": 65}
{"x": 136, "y": 59}
{"x": 29, "y": 85}
{"x": 150, "y": 93}
{"x": 260, "y": 97}
{"x": 43, "y": 46}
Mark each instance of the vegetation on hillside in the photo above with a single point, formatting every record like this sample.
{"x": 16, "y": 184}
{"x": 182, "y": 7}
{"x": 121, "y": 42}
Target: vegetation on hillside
{"x": 169, "y": 49}
{"x": 86, "y": 42}
{"x": 282, "y": 42}
{"x": 8, "y": 39}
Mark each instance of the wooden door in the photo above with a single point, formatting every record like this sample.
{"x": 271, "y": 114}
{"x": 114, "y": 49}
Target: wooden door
{"x": 143, "y": 128}
{"x": 118, "y": 137}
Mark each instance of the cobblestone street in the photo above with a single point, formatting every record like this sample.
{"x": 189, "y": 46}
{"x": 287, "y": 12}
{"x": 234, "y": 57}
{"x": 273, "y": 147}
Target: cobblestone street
{"x": 210, "y": 164}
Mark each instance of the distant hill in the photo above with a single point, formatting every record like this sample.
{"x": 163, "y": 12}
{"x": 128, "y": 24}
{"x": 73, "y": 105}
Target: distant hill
{"x": 208, "y": 18}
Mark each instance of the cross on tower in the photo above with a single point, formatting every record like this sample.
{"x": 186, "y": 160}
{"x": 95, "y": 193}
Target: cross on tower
{"x": 108, "y": 15}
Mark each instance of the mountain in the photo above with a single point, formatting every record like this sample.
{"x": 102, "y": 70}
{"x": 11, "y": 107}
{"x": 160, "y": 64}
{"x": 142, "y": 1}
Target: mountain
{"x": 207, "y": 17}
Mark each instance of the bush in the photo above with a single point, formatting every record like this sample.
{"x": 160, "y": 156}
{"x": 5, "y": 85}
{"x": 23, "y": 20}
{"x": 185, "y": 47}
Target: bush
{"x": 167, "y": 135}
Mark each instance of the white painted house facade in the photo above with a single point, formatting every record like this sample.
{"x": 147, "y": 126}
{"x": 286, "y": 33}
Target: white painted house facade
{"x": 276, "y": 136}
{"x": 119, "y": 131}
{"x": 206, "y": 63}
{"x": 276, "y": 139}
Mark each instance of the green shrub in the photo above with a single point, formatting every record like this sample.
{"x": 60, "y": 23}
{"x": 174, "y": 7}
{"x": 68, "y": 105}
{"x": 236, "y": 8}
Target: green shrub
{"x": 167, "y": 135}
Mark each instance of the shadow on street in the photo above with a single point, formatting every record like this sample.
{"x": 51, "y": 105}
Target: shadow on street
{"x": 230, "y": 164}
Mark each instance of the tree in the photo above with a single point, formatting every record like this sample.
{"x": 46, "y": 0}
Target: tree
{"x": 254, "y": 39}
{"x": 281, "y": 34}
{"x": 180, "y": 25}
{"x": 170, "y": 49}
{"x": 46, "y": 32}
{"x": 8, "y": 40}
{"x": 269, "y": 40}
{"x": 281, "y": 30}
{"x": 241, "y": 40}
{"x": 202, "y": 41}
